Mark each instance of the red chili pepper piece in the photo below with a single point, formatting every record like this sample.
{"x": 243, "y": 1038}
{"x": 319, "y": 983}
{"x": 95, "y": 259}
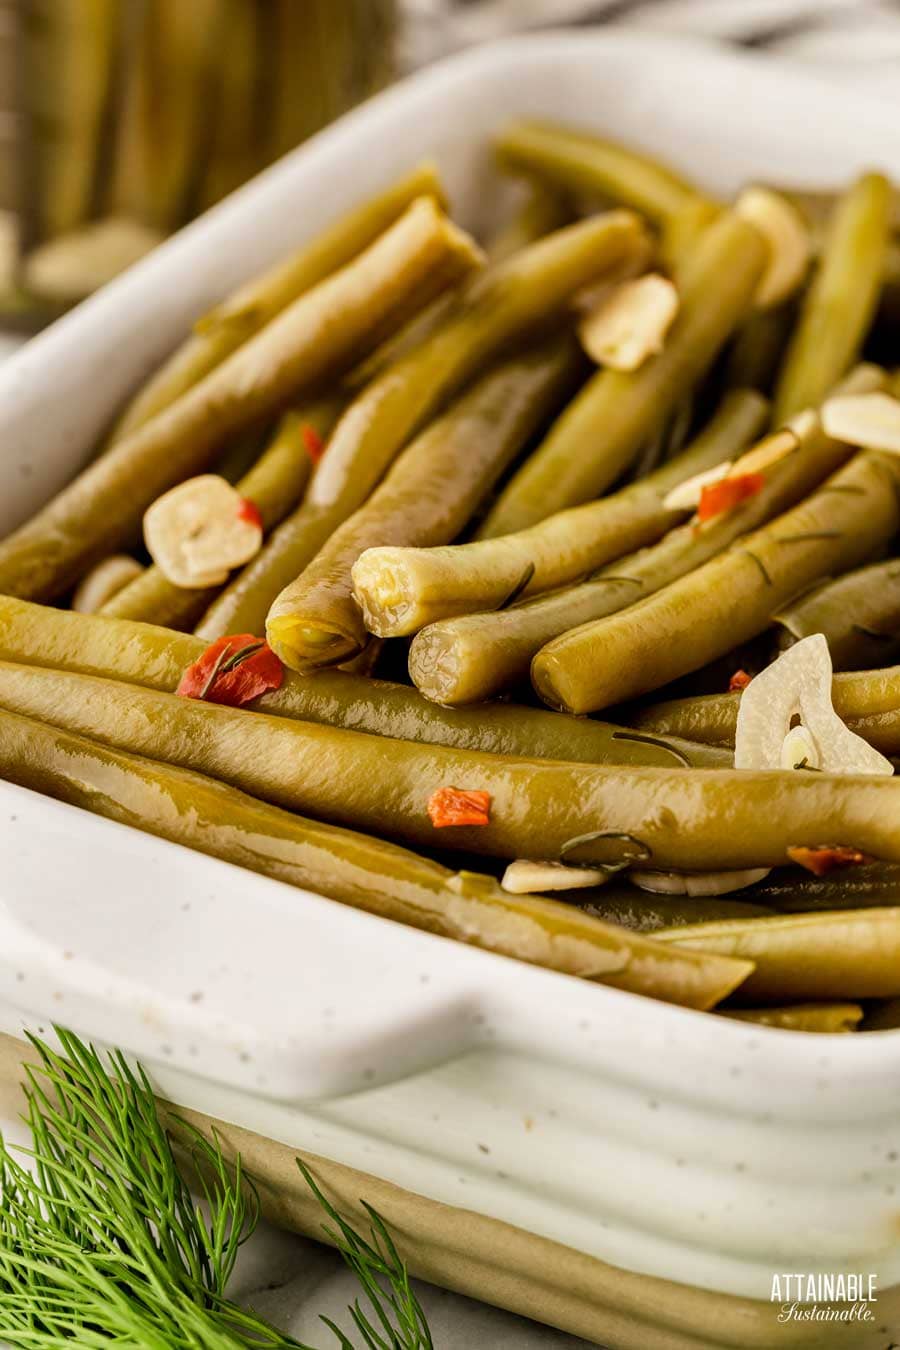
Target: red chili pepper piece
{"x": 249, "y": 511}
{"x": 312, "y": 442}
{"x": 456, "y": 806}
{"x": 820, "y": 859}
{"x": 739, "y": 680}
{"x": 728, "y": 493}
{"x": 233, "y": 670}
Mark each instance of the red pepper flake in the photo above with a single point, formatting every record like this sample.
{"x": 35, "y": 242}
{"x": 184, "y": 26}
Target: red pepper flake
{"x": 234, "y": 670}
{"x": 456, "y": 806}
{"x": 312, "y": 442}
{"x": 820, "y": 859}
{"x": 250, "y": 512}
{"x": 728, "y": 493}
{"x": 739, "y": 680}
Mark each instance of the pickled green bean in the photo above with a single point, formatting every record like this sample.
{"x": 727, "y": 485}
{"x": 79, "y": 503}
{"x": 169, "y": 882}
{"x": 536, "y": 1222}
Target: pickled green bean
{"x": 824, "y": 1018}
{"x": 352, "y": 868}
{"x": 428, "y": 496}
{"x": 834, "y": 955}
{"x": 859, "y": 614}
{"x": 839, "y": 305}
{"x": 789, "y": 889}
{"x": 729, "y": 599}
{"x": 275, "y": 483}
{"x": 425, "y": 585}
{"x": 259, "y": 300}
{"x": 758, "y": 348}
{"x": 597, "y": 815}
{"x": 603, "y": 429}
{"x": 579, "y": 162}
{"x": 157, "y": 658}
{"x": 312, "y": 341}
{"x": 544, "y": 209}
{"x": 868, "y": 701}
{"x": 469, "y": 658}
{"x": 644, "y": 912}
{"x": 499, "y": 310}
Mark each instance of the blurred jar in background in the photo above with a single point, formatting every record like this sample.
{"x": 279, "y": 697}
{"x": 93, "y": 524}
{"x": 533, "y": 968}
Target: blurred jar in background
{"x": 123, "y": 119}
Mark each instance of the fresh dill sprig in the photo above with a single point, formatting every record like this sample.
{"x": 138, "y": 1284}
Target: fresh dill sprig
{"x": 102, "y": 1242}
{"x": 375, "y": 1264}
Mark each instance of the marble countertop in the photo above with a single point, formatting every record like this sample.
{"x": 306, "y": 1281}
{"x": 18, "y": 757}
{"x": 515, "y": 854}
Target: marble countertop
{"x": 292, "y": 1281}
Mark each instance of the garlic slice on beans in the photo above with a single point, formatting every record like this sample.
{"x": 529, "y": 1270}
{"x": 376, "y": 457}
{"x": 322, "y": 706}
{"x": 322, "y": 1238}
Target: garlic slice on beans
{"x": 104, "y": 581}
{"x": 197, "y": 532}
{"x": 767, "y": 452}
{"x": 798, "y": 684}
{"x": 686, "y": 496}
{"x": 697, "y": 883}
{"x": 787, "y": 234}
{"x": 870, "y": 420}
{"x": 631, "y": 324}
{"x": 526, "y": 878}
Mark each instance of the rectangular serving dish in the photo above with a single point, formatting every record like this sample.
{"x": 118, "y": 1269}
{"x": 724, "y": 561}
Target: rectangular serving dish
{"x": 581, "y": 1132}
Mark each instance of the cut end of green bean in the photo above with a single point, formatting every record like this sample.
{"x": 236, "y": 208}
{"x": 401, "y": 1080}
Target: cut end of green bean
{"x": 303, "y": 648}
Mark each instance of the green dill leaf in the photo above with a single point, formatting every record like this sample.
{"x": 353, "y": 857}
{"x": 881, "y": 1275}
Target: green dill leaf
{"x": 102, "y": 1242}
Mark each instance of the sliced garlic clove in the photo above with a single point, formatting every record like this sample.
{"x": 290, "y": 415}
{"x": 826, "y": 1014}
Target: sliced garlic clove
{"x": 686, "y": 496}
{"x": 525, "y": 878}
{"x": 103, "y": 582}
{"x": 787, "y": 234}
{"x": 631, "y": 324}
{"x": 697, "y": 883}
{"x": 804, "y": 423}
{"x": 798, "y": 683}
{"x": 766, "y": 453}
{"x": 198, "y": 532}
{"x": 799, "y": 750}
{"x": 870, "y": 420}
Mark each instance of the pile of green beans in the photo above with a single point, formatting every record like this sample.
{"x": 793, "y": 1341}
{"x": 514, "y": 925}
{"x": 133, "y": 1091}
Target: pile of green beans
{"x": 427, "y": 584}
{"x": 313, "y": 340}
{"x": 602, "y": 430}
{"x": 275, "y": 484}
{"x": 605, "y": 816}
{"x": 353, "y": 868}
{"x": 725, "y": 601}
{"x": 435, "y": 456}
{"x": 144, "y": 654}
{"x": 859, "y": 614}
{"x": 478, "y": 655}
{"x": 428, "y": 496}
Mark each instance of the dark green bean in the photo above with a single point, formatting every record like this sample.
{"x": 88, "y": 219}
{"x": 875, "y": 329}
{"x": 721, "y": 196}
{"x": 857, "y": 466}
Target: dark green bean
{"x": 859, "y": 614}
{"x": 840, "y": 303}
{"x": 824, "y": 1018}
{"x": 582, "y": 163}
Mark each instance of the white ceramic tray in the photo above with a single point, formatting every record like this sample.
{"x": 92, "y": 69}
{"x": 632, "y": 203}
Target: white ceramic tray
{"x": 655, "y": 1138}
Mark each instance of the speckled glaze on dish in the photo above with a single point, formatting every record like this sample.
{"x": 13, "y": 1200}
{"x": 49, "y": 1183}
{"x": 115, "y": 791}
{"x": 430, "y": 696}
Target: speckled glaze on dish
{"x": 654, "y": 1139}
